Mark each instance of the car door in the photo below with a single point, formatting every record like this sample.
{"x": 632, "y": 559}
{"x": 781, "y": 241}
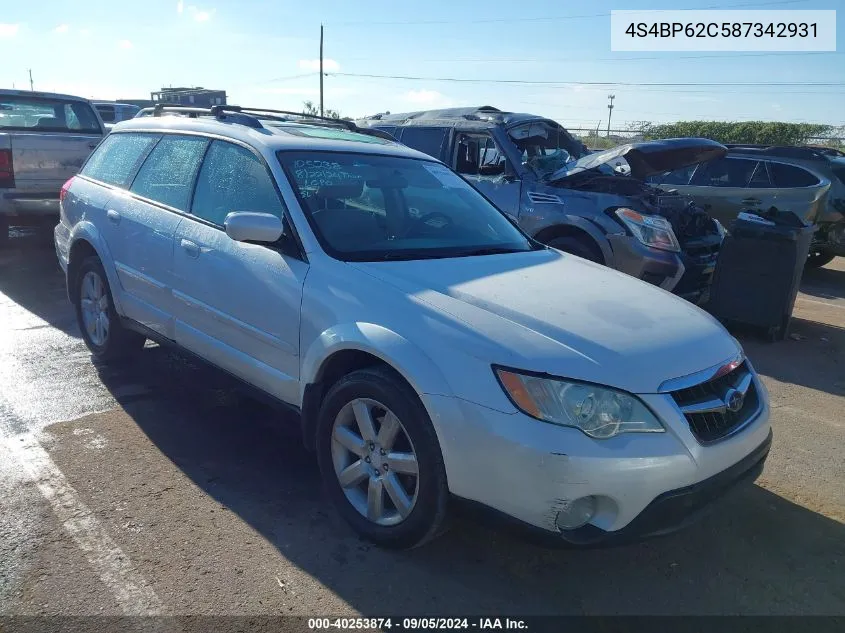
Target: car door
{"x": 726, "y": 186}
{"x": 481, "y": 163}
{"x": 140, "y": 226}
{"x": 237, "y": 304}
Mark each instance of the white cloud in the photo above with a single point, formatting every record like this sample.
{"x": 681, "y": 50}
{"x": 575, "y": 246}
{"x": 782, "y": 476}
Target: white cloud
{"x": 62, "y": 28}
{"x": 9, "y": 30}
{"x": 777, "y": 106}
{"x": 125, "y": 44}
{"x": 196, "y": 13}
{"x": 329, "y": 65}
{"x": 426, "y": 97}
{"x": 85, "y": 32}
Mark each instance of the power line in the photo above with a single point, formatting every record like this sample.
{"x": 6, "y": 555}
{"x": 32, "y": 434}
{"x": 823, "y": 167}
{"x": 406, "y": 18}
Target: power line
{"x": 504, "y": 60}
{"x": 543, "y": 19}
{"x": 564, "y": 84}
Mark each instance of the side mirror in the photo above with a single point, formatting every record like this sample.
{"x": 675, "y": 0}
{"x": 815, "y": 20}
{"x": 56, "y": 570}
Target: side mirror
{"x": 245, "y": 226}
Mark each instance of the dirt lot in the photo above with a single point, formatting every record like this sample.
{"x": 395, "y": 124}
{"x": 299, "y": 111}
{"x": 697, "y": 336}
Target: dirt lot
{"x": 158, "y": 488}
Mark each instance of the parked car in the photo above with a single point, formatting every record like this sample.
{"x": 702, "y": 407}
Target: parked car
{"x": 112, "y": 112}
{"x": 575, "y": 200}
{"x": 432, "y": 350}
{"x": 44, "y": 139}
{"x": 751, "y": 178}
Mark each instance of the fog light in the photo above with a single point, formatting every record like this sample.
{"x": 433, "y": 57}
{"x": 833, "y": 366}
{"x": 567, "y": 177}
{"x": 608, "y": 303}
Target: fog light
{"x": 576, "y": 513}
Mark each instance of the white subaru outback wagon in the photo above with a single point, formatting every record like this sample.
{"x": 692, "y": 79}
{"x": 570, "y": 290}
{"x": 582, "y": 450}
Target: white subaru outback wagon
{"x": 433, "y": 351}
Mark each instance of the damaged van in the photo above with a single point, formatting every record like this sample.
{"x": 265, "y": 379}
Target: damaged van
{"x": 593, "y": 205}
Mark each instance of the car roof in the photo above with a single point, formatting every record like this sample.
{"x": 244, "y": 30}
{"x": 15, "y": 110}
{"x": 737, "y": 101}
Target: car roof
{"x": 478, "y": 117}
{"x": 41, "y": 95}
{"x": 272, "y": 135}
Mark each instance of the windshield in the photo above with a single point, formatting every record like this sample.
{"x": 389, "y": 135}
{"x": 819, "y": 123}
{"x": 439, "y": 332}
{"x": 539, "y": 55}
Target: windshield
{"x": 545, "y": 146}
{"x": 365, "y": 207}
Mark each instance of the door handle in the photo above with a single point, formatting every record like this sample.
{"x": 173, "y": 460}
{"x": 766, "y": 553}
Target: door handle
{"x": 750, "y": 201}
{"x": 113, "y": 216}
{"x": 191, "y": 248}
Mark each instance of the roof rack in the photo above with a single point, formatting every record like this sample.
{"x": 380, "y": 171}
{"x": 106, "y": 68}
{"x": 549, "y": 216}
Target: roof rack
{"x": 252, "y": 117}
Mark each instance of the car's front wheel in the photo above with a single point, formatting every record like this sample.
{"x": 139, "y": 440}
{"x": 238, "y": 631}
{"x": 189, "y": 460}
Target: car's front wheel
{"x": 98, "y": 321}
{"x": 380, "y": 459}
{"x": 817, "y": 259}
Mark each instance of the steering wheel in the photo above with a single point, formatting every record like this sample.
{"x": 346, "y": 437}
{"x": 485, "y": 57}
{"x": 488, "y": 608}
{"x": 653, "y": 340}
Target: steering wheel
{"x": 435, "y": 220}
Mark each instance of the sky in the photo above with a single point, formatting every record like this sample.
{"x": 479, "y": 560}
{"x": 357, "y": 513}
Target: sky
{"x": 265, "y": 54}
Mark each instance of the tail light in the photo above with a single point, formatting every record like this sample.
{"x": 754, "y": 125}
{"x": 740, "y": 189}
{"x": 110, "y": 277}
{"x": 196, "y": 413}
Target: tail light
{"x": 7, "y": 169}
{"x": 65, "y": 189}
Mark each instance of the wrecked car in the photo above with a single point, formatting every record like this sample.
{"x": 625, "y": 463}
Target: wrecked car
{"x": 593, "y": 205}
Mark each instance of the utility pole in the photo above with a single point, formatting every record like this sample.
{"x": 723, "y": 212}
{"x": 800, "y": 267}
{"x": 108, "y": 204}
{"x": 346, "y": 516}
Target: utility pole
{"x": 31, "y": 85}
{"x": 609, "y": 112}
{"x": 321, "y": 70}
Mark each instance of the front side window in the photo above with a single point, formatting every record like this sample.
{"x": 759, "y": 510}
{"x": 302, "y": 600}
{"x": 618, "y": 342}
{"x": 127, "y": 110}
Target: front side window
{"x": 790, "y": 176}
{"x": 232, "y": 178}
{"x": 107, "y": 113}
{"x": 680, "y": 176}
{"x": 117, "y": 158}
{"x": 31, "y": 114}
{"x": 725, "y": 172}
{"x": 365, "y": 207}
{"x": 478, "y": 155}
{"x": 167, "y": 175}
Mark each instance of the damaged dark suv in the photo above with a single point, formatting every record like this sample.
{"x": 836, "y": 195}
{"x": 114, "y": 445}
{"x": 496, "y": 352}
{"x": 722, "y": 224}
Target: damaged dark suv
{"x": 594, "y": 205}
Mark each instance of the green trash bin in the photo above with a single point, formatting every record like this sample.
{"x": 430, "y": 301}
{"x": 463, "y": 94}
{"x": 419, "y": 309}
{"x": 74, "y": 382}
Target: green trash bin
{"x": 759, "y": 271}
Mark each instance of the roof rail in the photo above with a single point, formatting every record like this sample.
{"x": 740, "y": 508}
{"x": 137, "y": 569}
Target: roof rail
{"x": 786, "y": 151}
{"x": 252, "y": 117}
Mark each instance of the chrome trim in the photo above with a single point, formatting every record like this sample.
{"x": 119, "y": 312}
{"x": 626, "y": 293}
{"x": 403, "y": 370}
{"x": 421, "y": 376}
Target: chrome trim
{"x": 696, "y": 378}
{"x": 544, "y": 198}
{"x": 669, "y": 283}
{"x": 716, "y": 405}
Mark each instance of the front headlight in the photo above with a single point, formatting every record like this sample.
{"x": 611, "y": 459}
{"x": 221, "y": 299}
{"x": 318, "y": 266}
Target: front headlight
{"x": 600, "y": 412}
{"x": 652, "y": 230}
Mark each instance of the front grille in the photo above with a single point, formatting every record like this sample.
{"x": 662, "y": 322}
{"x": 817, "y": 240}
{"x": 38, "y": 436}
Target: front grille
{"x": 700, "y": 404}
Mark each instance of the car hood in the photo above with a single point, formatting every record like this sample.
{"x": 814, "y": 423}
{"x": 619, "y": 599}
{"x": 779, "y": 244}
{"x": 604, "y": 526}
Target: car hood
{"x": 647, "y": 158}
{"x": 555, "y": 313}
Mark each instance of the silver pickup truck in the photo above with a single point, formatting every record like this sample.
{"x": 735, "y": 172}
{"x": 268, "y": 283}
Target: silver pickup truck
{"x": 44, "y": 139}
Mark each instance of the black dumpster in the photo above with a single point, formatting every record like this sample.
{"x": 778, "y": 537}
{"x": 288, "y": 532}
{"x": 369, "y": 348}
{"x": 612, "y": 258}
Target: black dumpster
{"x": 759, "y": 270}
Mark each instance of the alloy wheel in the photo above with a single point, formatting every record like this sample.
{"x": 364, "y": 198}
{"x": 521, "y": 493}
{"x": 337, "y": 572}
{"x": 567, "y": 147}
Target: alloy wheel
{"x": 95, "y": 308}
{"x": 375, "y": 461}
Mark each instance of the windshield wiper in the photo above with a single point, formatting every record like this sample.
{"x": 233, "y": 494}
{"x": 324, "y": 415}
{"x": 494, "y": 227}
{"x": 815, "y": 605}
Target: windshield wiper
{"x": 491, "y": 250}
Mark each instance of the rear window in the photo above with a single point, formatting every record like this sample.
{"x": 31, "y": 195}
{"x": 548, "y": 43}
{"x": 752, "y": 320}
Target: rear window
{"x": 790, "y": 176}
{"x": 33, "y": 114}
{"x": 118, "y": 157}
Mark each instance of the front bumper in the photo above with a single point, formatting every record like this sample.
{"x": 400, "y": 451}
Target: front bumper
{"x": 645, "y": 484}
{"x": 688, "y": 274}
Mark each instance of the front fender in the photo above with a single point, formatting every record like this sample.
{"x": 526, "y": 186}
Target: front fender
{"x": 86, "y": 231}
{"x": 404, "y": 356}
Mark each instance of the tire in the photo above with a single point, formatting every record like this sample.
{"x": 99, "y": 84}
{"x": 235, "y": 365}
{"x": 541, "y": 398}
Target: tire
{"x": 107, "y": 340}
{"x": 579, "y": 247}
{"x": 818, "y": 259}
{"x": 4, "y": 231}
{"x": 380, "y": 392}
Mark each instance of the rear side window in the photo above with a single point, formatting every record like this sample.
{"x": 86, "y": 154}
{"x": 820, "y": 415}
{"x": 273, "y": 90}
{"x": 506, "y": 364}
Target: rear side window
{"x": 760, "y": 179}
{"x": 725, "y": 172}
{"x": 232, "y": 178}
{"x": 790, "y": 176}
{"x": 117, "y": 158}
{"x": 167, "y": 175}
{"x": 428, "y": 140}
{"x": 33, "y": 114}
